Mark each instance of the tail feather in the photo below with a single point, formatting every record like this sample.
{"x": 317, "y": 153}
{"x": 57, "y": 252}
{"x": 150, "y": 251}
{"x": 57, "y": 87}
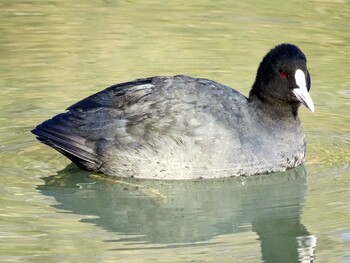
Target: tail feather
{"x": 60, "y": 134}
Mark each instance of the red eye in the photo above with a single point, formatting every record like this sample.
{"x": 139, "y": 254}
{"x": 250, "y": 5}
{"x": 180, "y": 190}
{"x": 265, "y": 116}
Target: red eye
{"x": 283, "y": 75}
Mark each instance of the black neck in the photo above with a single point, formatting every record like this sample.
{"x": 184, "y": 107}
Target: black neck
{"x": 273, "y": 108}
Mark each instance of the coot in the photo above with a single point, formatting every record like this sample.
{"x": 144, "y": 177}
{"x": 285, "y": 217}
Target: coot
{"x": 183, "y": 127}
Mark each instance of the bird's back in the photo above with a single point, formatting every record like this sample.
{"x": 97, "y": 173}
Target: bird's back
{"x": 157, "y": 126}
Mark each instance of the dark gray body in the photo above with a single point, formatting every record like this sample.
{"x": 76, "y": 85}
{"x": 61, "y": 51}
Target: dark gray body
{"x": 176, "y": 128}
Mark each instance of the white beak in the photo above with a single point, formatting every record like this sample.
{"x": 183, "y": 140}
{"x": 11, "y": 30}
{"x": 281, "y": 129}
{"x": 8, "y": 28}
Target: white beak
{"x": 301, "y": 93}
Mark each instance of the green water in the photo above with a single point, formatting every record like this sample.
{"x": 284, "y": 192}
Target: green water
{"x": 54, "y": 53}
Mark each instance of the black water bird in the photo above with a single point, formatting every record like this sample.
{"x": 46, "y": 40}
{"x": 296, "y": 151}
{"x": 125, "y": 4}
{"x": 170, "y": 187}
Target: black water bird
{"x": 183, "y": 127}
